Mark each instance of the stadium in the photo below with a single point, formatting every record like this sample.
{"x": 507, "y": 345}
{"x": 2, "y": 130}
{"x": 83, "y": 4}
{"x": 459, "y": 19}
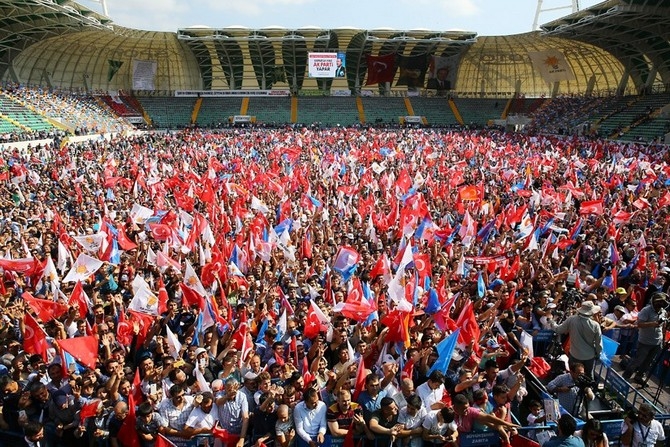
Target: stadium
{"x": 616, "y": 49}
{"x": 325, "y": 237}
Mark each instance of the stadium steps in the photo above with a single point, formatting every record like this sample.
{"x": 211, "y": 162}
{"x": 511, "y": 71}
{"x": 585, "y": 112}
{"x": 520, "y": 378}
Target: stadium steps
{"x": 480, "y": 111}
{"x": 217, "y": 111}
{"x": 328, "y": 110}
{"x": 605, "y": 121}
{"x": 135, "y": 104}
{"x": 436, "y": 111}
{"x": 22, "y": 116}
{"x": 408, "y": 106}
{"x": 294, "y": 109}
{"x": 196, "y": 110}
{"x": 383, "y": 109}
{"x": 168, "y": 112}
{"x": 8, "y": 125}
{"x": 270, "y": 110}
{"x": 361, "y": 109}
{"x": 244, "y": 108}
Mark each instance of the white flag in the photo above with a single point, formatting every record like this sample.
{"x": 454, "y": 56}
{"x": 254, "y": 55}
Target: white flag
{"x": 144, "y": 301}
{"x": 84, "y": 267}
{"x": 192, "y": 281}
{"x": 91, "y": 242}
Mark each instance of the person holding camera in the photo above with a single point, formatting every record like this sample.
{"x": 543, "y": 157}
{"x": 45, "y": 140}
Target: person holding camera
{"x": 640, "y": 429}
{"x": 567, "y": 387}
{"x": 650, "y": 322}
{"x": 585, "y": 336}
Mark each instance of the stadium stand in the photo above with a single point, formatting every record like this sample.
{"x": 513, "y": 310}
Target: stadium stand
{"x": 384, "y": 110}
{"x": 480, "y": 111}
{"x": 214, "y": 112}
{"x": 270, "y": 110}
{"x": 328, "y": 111}
{"x": 168, "y": 112}
{"x": 436, "y": 111}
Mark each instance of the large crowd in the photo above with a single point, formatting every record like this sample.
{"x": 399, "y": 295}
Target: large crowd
{"x": 320, "y": 286}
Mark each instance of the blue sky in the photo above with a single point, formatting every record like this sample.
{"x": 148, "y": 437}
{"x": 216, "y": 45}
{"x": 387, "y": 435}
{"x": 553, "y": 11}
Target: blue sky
{"x": 485, "y": 17}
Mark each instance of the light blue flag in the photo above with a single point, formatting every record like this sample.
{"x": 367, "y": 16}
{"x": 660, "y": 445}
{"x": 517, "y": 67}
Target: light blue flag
{"x": 444, "y": 351}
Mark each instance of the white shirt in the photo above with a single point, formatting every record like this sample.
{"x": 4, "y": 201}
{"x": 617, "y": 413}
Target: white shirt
{"x": 309, "y": 423}
{"x": 412, "y": 422}
{"x": 646, "y": 436}
{"x": 429, "y": 396}
{"x": 200, "y": 419}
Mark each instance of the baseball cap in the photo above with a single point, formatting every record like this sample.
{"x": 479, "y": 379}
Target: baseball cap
{"x": 621, "y": 291}
{"x": 200, "y": 351}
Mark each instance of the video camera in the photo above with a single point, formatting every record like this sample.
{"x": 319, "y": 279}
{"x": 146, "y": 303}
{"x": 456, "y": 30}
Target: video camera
{"x": 583, "y": 381}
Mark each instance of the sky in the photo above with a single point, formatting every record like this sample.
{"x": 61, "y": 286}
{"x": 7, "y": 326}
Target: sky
{"x": 485, "y": 17}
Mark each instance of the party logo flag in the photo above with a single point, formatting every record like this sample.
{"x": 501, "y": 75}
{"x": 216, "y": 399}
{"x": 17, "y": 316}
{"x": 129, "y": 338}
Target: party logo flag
{"x": 84, "y": 267}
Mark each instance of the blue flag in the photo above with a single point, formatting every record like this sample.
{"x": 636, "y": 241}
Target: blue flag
{"x": 444, "y": 351}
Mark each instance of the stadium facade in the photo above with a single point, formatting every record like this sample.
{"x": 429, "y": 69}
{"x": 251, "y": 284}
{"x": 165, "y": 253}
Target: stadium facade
{"x": 615, "y": 47}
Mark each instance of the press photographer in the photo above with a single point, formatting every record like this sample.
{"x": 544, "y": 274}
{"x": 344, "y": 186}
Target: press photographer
{"x": 572, "y": 388}
{"x": 640, "y": 429}
{"x": 651, "y": 322}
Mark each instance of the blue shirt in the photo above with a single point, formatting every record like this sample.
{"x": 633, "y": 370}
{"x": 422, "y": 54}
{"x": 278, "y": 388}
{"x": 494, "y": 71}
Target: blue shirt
{"x": 562, "y": 441}
{"x": 369, "y": 404}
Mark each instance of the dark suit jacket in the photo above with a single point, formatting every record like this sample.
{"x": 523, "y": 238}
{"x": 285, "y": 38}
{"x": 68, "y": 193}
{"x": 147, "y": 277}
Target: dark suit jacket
{"x": 434, "y": 84}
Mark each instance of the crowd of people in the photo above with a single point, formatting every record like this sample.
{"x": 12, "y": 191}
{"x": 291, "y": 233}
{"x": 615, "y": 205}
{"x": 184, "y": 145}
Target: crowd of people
{"x": 314, "y": 286}
{"x": 82, "y": 112}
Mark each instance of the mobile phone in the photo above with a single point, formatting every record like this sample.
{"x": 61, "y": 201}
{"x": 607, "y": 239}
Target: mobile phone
{"x": 178, "y": 363}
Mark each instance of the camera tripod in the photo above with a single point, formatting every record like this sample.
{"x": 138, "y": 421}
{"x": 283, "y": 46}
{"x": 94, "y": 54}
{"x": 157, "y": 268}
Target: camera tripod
{"x": 582, "y": 399}
{"x": 663, "y": 357}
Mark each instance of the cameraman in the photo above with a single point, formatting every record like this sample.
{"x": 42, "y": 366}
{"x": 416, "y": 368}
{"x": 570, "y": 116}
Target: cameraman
{"x": 650, "y": 323}
{"x": 585, "y": 335}
{"x": 641, "y": 429}
{"x": 566, "y": 387}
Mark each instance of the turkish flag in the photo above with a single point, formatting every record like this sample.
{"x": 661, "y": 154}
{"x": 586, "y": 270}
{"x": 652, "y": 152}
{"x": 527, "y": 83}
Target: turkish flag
{"x": 469, "y": 327}
{"x": 79, "y": 298}
{"x": 381, "y": 69}
{"x": 47, "y": 310}
{"x": 89, "y": 409}
{"x": 124, "y": 242}
{"x": 397, "y": 322}
{"x": 127, "y": 433}
{"x": 162, "y": 441}
{"x": 160, "y": 232}
{"x": 312, "y": 325}
{"x": 360, "y": 379}
{"x": 124, "y": 330}
{"x": 34, "y": 338}
{"x": 25, "y": 265}
{"x": 591, "y": 207}
{"x": 83, "y": 349}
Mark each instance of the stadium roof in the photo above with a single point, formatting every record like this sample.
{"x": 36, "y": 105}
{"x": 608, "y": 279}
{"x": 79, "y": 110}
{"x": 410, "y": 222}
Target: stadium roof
{"x": 636, "y": 32}
{"x": 615, "y": 46}
{"x": 24, "y": 23}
